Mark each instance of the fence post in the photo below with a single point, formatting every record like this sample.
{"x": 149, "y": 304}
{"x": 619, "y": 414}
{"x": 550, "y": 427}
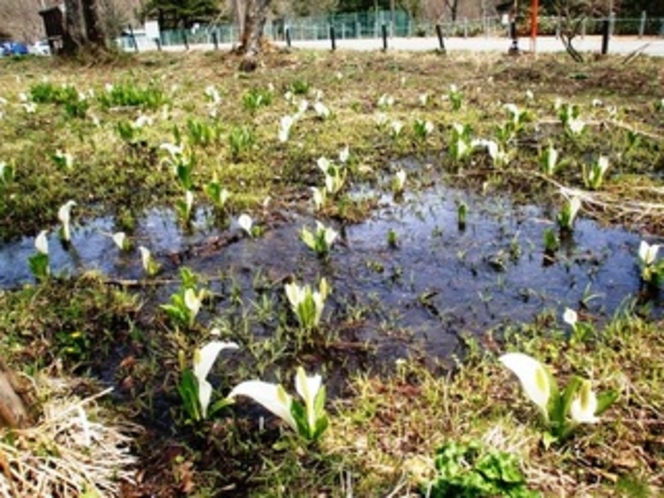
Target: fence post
{"x": 288, "y": 37}
{"x": 606, "y": 31}
{"x": 215, "y": 40}
{"x": 157, "y": 42}
{"x": 514, "y": 48}
{"x": 465, "y": 27}
{"x": 333, "y": 38}
{"x": 185, "y": 39}
{"x": 384, "y": 31}
{"x": 441, "y": 42}
{"x": 583, "y": 28}
{"x": 642, "y": 26}
{"x": 133, "y": 38}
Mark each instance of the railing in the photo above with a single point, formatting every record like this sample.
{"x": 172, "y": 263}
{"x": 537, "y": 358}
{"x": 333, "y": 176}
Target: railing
{"x": 370, "y": 24}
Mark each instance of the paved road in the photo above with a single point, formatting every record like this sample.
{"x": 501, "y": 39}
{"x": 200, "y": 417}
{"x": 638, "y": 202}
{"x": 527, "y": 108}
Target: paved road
{"x": 617, "y": 45}
{"x": 653, "y": 46}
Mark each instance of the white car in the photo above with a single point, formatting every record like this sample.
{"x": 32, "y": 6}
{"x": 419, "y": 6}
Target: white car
{"x": 41, "y": 48}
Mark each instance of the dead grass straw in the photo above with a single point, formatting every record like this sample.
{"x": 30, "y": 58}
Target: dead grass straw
{"x": 72, "y": 452}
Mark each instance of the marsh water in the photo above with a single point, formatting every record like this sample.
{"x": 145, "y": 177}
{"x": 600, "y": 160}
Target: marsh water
{"x": 437, "y": 283}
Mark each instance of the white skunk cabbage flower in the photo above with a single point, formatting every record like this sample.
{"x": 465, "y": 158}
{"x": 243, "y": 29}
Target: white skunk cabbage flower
{"x": 120, "y": 239}
{"x": 272, "y": 397}
{"x": 41, "y": 242}
{"x": 533, "y": 377}
{"x": 284, "y": 128}
{"x": 584, "y": 405}
{"x": 308, "y": 387}
{"x": 570, "y": 317}
{"x": 64, "y": 215}
{"x": 648, "y": 253}
{"x": 246, "y": 223}
{"x": 204, "y": 358}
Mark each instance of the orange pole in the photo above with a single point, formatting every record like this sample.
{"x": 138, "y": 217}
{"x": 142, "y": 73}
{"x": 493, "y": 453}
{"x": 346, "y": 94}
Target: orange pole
{"x": 534, "y": 16}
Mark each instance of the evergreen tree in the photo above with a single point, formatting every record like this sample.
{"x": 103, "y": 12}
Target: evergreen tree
{"x": 181, "y": 13}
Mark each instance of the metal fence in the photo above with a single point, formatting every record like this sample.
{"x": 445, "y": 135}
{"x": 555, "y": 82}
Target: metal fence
{"x": 370, "y": 25}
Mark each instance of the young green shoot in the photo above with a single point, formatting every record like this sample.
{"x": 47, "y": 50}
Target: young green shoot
{"x": 392, "y": 239}
{"x": 240, "y": 140}
{"x": 422, "y": 129}
{"x": 318, "y": 196}
{"x": 580, "y": 331}
{"x": 185, "y": 306}
{"x": 63, "y": 160}
{"x": 455, "y": 97}
{"x": 217, "y": 193}
{"x": 551, "y": 241}
{"x": 335, "y": 175}
{"x": 593, "y": 175}
{"x": 320, "y": 241}
{"x": 548, "y": 160}
{"x": 184, "y": 207}
{"x": 150, "y": 266}
{"x": 568, "y": 213}
{"x": 496, "y": 151}
{"x": 396, "y": 127}
{"x": 399, "y": 182}
{"x": 6, "y": 174}
{"x": 569, "y": 117}
{"x": 461, "y": 144}
{"x": 307, "y": 304}
{"x": 652, "y": 270}
{"x": 462, "y": 214}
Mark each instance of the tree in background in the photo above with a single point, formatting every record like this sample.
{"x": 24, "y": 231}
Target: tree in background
{"x": 414, "y": 9}
{"x": 572, "y": 14}
{"x": 362, "y": 5}
{"x": 304, "y": 8}
{"x": 250, "y": 17}
{"x": 175, "y": 14}
{"x": 84, "y": 29}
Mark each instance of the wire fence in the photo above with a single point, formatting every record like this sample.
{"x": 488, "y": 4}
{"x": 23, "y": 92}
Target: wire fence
{"x": 364, "y": 25}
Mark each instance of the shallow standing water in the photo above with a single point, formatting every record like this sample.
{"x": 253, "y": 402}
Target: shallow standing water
{"x": 438, "y": 283}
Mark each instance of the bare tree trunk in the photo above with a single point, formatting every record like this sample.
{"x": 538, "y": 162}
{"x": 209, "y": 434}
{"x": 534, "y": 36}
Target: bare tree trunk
{"x": 12, "y": 409}
{"x": 93, "y": 24}
{"x": 83, "y": 27}
{"x": 74, "y": 36}
{"x": 251, "y": 22}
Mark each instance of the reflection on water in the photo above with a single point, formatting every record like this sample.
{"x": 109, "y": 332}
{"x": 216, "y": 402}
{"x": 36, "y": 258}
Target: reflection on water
{"x": 439, "y": 282}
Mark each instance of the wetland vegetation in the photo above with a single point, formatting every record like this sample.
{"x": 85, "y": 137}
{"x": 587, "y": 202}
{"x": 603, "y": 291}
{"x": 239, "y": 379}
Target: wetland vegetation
{"x": 372, "y": 232}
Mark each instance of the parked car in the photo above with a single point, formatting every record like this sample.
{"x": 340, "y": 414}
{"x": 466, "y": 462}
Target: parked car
{"x": 41, "y": 48}
{"x": 13, "y": 48}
